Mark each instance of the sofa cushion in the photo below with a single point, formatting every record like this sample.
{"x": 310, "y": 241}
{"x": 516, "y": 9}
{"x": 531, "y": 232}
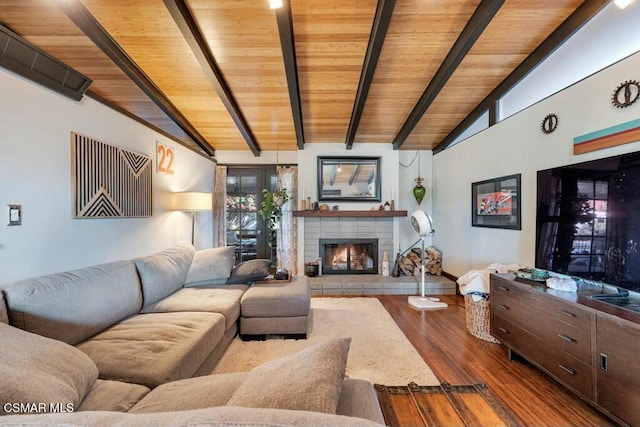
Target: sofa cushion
{"x": 223, "y": 299}
{"x": 39, "y": 370}
{"x": 75, "y": 305}
{"x": 211, "y": 266}
{"x": 113, "y": 396}
{"x": 163, "y": 273}
{"x": 249, "y": 271}
{"x": 309, "y": 380}
{"x": 155, "y": 348}
{"x": 193, "y": 393}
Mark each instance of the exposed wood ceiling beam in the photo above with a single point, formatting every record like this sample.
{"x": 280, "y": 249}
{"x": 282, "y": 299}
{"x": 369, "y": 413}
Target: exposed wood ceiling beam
{"x": 196, "y": 41}
{"x": 472, "y": 31}
{"x": 381, "y": 22}
{"x": 287, "y": 42}
{"x": 193, "y": 147}
{"x": 573, "y": 23}
{"x": 92, "y": 29}
{"x": 354, "y": 174}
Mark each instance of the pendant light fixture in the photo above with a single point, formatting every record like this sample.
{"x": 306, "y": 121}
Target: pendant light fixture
{"x": 419, "y": 191}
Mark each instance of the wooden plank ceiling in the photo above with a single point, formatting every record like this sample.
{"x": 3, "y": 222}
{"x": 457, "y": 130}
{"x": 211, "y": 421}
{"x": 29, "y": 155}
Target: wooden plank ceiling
{"x": 236, "y": 75}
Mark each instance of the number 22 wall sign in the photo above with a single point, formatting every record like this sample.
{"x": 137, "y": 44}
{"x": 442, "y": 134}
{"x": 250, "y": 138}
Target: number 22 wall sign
{"x": 165, "y": 159}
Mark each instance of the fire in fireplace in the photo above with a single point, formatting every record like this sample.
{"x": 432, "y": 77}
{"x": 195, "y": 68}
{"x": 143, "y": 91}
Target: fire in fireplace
{"x": 349, "y": 256}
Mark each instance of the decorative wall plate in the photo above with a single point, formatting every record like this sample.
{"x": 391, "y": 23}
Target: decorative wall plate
{"x": 626, "y": 94}
{"x": 549, "y": 124}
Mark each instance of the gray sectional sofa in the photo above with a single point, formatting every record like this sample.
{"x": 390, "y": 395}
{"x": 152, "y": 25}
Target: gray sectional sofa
{"x": 120, "y": 342}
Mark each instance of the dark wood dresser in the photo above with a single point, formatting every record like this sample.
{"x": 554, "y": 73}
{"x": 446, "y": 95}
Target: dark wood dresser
{"x": 589, "y": 346}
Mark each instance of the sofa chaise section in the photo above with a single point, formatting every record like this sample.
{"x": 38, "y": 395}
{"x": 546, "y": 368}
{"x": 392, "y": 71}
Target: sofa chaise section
{"x": 276, "y": 308}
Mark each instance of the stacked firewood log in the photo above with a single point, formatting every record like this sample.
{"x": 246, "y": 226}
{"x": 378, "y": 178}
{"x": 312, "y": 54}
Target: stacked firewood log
{"x": 409, "y": 264}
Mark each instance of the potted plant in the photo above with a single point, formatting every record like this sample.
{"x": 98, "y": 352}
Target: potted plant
{"x": 271, "y": 212}
{"x": 272, "y": 203}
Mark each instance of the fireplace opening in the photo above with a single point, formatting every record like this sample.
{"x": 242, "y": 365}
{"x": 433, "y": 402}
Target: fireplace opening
{"x": 349, "y": 256}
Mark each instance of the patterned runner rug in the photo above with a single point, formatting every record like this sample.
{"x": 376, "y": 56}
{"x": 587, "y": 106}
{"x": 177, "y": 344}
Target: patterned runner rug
{"x": 444, "y": 405}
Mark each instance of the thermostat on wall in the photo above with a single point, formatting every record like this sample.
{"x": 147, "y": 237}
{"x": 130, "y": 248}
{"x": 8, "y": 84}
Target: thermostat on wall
{"x": 14, "y": 214}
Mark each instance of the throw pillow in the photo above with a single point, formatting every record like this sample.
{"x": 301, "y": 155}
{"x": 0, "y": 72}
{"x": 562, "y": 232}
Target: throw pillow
{"x": 163, "y": 273}
{"x": 47, "y": 373}
{"x": 211, "y": 266}
{"x": 249, "y": 271}
{"x": 309, "y": 380}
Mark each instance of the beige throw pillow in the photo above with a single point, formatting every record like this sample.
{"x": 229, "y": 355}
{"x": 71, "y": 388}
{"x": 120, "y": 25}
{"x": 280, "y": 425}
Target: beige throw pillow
{"x": 39, "y": 374}
{"x": 309, "y": 380}
{"x": 211, "y": 266}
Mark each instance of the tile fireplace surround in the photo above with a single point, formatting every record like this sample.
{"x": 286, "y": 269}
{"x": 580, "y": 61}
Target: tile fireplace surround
{"x": 379, "y": 228}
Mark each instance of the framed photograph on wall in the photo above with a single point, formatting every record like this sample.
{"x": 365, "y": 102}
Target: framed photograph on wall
{"x": 496, "y": 203}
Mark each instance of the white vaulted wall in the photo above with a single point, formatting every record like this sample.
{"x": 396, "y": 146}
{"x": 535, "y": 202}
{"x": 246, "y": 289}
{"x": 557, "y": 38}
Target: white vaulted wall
{"x": 517, "y": 145}
{"x": 35, "y": 172}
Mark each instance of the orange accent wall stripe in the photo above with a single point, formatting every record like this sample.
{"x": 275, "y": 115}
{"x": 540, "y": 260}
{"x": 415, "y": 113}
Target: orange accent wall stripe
{"x": 610, "y": 137}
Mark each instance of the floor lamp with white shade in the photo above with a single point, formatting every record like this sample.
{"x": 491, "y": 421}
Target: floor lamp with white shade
{"x": 192, "y": 201}
{"x": 421, "y": 223}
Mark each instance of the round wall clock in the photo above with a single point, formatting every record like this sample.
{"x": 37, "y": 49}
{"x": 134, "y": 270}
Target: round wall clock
{"x": 549, "y": 124}
{"x": 626, "y": 94}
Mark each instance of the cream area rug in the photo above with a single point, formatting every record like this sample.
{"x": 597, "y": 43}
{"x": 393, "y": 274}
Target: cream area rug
{"x": 379, "y": 351}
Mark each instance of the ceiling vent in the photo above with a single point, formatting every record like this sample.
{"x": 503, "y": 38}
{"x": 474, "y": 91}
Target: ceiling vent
{"x": 21, "y": 57}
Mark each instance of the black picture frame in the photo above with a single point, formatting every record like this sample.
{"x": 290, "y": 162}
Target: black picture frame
{"x": 495, "y": 203}
{"x": 353, "y": 179}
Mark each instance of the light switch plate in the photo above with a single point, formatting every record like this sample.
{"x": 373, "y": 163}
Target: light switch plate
{"x": 14, "y": 214}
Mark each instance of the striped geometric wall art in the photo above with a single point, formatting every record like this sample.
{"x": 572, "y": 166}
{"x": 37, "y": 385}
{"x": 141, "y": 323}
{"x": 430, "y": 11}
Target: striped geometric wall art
{"x": 623, "y": 133}
{"x": 108, "y": 181}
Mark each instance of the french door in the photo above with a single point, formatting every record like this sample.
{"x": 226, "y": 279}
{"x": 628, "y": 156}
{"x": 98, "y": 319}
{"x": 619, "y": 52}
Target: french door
{"x": 246, "y": 230}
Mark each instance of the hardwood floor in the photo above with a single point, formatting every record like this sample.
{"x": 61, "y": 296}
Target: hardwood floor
{"x": 456, "y": 357}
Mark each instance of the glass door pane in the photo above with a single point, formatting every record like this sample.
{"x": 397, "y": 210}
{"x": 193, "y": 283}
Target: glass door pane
{"x": 246, "y": 229}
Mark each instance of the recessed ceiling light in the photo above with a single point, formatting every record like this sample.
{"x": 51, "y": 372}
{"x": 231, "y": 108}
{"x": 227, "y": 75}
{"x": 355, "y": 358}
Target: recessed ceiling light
{"x": 622, "y": 3}
{"x": 275, "y": 4}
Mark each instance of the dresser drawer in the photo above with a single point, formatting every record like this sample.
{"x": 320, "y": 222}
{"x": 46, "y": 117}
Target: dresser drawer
{"x": 556, "y": 332}
{"x": 569, "y": 313}
{"x": 508, "y": 288}
{"x": 567, "y": 369}
{"x": 570, "y": 371}
{"x": 511, "y": 309}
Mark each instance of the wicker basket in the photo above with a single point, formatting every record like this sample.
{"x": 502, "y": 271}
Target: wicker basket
{"x": 478, "y": 318}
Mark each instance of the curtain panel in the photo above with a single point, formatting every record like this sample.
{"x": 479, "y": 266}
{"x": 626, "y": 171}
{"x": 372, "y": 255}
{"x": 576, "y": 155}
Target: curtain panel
{"x": 220, "y": 207}
{"x": 287, "y": 250}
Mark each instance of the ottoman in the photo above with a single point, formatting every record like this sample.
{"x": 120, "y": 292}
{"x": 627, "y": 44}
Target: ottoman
{"x": 276, "y": 307}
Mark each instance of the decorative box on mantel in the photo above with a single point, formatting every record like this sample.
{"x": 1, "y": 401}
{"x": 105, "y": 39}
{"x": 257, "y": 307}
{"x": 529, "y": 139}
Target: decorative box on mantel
{"x": 350, "y": 214}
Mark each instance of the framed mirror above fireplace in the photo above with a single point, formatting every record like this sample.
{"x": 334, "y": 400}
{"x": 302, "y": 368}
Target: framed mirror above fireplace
{"x": 349, "y": 179}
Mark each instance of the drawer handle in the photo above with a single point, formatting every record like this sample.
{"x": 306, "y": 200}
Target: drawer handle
{"x": 603, "y": 362}
{"x": 567, "y": 338}
{"x": 567, "y": 370}
{"x": 504, "y": 307}
{"x": 503, "y": 330}
{"x": 504, "y": 288}
{"x": 566, "y": 313}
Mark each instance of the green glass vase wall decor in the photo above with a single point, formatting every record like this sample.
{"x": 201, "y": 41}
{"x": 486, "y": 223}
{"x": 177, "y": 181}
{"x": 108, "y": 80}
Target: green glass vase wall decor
{"x": 419, "y": 191}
